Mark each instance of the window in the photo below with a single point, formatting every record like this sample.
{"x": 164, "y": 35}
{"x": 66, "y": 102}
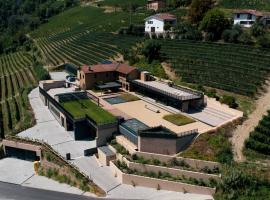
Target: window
{"x": 95, "y": 75}
{"x": 150, "y": 22}
{"x": 238, "y": 16}
{"x": 243, "y": 22}
{"x": 249, "y": 16}
{"x": 107, "y": 74}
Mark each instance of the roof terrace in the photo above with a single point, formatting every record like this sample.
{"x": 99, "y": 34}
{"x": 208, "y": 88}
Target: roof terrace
{"x": 176, "y": 92}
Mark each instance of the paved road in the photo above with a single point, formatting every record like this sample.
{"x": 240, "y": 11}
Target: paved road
{"x": 17, "y": 192}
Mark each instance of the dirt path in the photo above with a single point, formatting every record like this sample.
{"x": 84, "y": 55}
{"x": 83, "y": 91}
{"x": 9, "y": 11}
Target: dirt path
{"x": 242, "y": 132}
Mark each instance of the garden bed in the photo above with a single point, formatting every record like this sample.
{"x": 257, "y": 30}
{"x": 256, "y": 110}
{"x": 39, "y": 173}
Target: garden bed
{"x": 178, "y": 119}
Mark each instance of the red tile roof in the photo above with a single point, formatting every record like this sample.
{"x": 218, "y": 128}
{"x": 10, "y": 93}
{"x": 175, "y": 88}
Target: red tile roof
{"x": 121, "y": 68}
{"x": 252, "y": 12}
{"x": 163, "y": 16}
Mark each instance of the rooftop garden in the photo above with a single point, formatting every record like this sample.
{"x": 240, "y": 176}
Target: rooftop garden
{"x": 86, "y": 108}
{"x": 178, "y": 119}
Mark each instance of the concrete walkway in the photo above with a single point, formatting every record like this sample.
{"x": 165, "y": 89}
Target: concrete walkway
{"x": 21, "y": 172}
{"x": 49, "y": 130}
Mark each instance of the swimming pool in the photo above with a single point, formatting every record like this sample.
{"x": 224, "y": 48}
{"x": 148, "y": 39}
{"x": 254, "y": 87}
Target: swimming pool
{"x": 115, "y": 100}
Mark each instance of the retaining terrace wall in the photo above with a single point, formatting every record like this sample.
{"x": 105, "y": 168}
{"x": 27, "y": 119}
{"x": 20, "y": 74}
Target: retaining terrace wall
{"x": 172, "y": 171}
{"x": 196, "y": 164}
{"x": 135, "y": 180}
{"x": 131, "y": 179}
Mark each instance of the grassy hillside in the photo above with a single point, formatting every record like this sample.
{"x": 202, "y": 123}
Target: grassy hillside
{"x": 250, "y": 4}
{"x": 16, "y": 77}
{"x": 236, "y": 68}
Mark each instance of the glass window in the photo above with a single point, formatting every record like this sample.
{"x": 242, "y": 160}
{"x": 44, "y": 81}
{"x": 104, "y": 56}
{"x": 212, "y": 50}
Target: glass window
{"x": 249, "y": 16}
{"x": 238, "y": 15}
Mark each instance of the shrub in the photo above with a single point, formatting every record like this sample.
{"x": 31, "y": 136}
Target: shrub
{"x": 264, "y": 41}
{"x": 246, "y": 38}
{"x": 230, "y": 101}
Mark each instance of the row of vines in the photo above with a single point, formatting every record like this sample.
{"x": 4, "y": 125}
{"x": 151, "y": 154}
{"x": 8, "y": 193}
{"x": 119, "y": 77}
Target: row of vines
{"x": 83, "y": 48}
{"x": 16, "y": 79}
{"x": 259, "y": 139}
{"x": 230, "y": 67}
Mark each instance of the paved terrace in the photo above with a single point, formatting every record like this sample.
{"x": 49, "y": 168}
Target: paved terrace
{"x": 177, "y": 93}
{"x": 49, "y": 130}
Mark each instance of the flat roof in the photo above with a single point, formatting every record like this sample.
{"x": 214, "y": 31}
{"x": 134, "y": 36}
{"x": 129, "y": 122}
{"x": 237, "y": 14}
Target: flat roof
{"x": 162, "y": 87}
{"x": 134, "y": 125}
{"x": 86, "y": 108}
{"x": 57, "y": 91}
{"x": 106, "y": 150}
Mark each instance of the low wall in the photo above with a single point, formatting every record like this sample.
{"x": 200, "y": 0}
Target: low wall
{"x": 135, "y": 180}
{"x": 196, "y": 164}
{"x": 21, "y": 145}
{"x": 131, "y": 179}
{"x": 172, "y": 171}
{"x": 116, "y": 172}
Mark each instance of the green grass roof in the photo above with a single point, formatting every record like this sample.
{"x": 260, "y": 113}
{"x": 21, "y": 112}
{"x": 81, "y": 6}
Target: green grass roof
{"x": 84, "y": 107}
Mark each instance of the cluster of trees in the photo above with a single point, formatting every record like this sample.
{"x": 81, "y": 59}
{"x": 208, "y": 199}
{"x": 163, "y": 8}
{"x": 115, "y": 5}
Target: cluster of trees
{"x": 19, "y": 17}
{"x": 207, "y": 22}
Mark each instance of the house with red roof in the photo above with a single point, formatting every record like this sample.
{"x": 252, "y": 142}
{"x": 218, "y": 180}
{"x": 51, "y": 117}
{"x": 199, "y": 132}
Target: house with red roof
{"x": 156, "y": 4}
{"x": 157, "y": 24}
{"x": 246, "y": 18}
{"x": 107, "y": 76}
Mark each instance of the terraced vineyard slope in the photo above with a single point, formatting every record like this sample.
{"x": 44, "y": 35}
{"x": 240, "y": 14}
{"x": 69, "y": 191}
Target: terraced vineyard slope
{"x": 230, "y": 67}
{"x": 16, "y": 77}
{"x": 83, "y": 48}
{"x": 259, "y": 140}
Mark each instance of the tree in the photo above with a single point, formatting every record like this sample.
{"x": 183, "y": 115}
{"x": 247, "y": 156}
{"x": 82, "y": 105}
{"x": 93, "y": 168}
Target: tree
{"x": 198, "y": 8}
{"x": 214, "y": 22}
{"x": 258, "y": 29}
{"x": 151, "y": 50}
{"x": 178, "y": 3}
{"x": 185, "y": 30}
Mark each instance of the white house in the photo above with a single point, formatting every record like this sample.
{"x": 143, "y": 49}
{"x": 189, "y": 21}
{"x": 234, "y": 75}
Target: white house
{"x": 246, "y": 18}
{"x": 156, "y": 23}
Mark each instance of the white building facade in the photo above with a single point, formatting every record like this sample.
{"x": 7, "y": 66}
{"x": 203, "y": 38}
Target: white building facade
{"x": 246, "y": 18}
{"x": 156, "y": 24}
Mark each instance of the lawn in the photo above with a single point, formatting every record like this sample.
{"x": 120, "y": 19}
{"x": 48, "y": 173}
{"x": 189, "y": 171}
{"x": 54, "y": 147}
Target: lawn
{"x": 129, "y": 97}
{"x": 178, "y": 119}
{"x": 85, "y": 107}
